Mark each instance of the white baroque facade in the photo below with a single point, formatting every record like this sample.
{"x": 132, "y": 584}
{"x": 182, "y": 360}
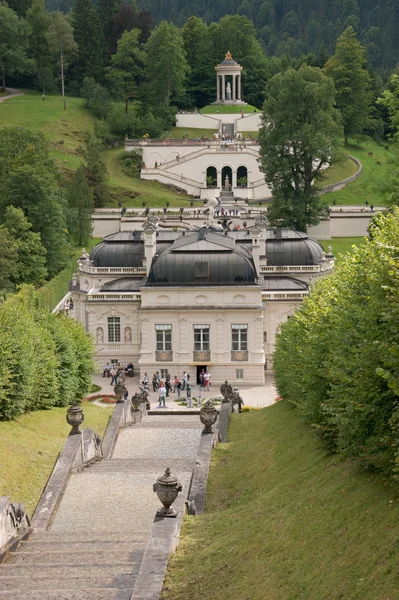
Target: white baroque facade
{"x": 174, "y": 301}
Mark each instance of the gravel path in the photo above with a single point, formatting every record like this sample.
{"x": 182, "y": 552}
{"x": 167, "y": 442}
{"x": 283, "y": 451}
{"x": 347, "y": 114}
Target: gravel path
{"x": 12, "y": 94}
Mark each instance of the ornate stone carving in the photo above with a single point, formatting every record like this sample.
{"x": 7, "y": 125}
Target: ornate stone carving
{"x": 75, "y": 417}
{"x": 227, "y": 391}
{"x": 163, "y": 355}
{"x": 202, "y": 356}
{"x": 99, "y": 335}
{"x": 208, "y": 416}
{"x": 239, "y": 355}
{"x": 128, "y": 335}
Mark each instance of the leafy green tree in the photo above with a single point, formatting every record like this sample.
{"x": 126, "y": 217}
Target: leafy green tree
{"x": 88, "y": 34}
{"x": 337, "y": 359}
{"x": 80, "y": 207}
{"x": 39, "y": 22}
{"x": 126, "y": 70}
{"x": 299, "y": 138}
{"x": 167, "y": 67}
{"x": 390, "y": 100}
{"x": 96, "y": 171}
{"x": 62, "y": 45}
{"x": 14, "y": 43}
{"x": 348, "y": 69}
{"x": 30, "y": 260}
{"x": 97, "y": 97}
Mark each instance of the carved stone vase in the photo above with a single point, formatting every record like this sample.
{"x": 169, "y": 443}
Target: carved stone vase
{"x": 75, "y": 417}
{"x": 119, "y": 391}
{"x": 208, "y": 416}
{"x": 136, "y": 401}
{"x": 167, "y": 488}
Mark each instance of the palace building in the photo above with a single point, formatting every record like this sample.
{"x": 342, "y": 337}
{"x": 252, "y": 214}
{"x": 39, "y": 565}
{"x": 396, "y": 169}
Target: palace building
{"x": 174, "y": 301}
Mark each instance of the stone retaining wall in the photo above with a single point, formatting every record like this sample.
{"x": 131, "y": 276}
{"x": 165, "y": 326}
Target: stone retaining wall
{"x": 334, "y": 187}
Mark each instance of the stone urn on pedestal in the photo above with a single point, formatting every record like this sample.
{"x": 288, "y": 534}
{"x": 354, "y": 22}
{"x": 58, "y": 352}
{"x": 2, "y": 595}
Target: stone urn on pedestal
{"x": 167, "y": 488}
{"x": 75, "y": 417}
{"x": 119, "y": 391}
{"x": 208, "y": 416}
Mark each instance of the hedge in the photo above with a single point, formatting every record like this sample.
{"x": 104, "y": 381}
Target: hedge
{"x": 337, "y": 358}
{"x": 46, "y": 360}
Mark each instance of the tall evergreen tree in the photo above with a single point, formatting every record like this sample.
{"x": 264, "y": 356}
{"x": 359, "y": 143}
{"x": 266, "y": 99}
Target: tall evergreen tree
{"x": 39, "y": 21}
{"x": 80, "y": 207}
{"x": 96, "y": 171}
{"x": 299, "y": 138}
{"x": 107, "y": 9}
{"x": 126, "y": 19}
{"x": 201, "y": 80}
{"x": 348, "y": 69}
{"x": 88, "y": 34}
{"x": 167, "y": 67}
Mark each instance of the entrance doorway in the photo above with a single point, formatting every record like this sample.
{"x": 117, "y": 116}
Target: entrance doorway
{"x": 199, "y": 371}
{"x": 227, "y": 172}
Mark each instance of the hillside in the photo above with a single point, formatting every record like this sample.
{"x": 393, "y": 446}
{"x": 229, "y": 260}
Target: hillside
{"x": 65, "y": 131}
{"x": 296, "y": 28}
{"x": 285, "y": 521}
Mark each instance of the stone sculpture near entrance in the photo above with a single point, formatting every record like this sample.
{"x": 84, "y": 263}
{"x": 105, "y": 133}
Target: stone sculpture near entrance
{"x": 228, "y": 91}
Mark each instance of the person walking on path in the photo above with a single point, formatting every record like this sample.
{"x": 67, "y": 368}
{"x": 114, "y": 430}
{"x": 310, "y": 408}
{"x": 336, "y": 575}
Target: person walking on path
{"x": 188, "y": 392}
{"x": 175, "y": 382}
{"x": 207, "y": 379}
{"x": 154, "y": 382}
{"x": 168, "y": 385}
{"x": 113, "y": 373}
{"x": 184, "y": 380}
{"x": 162, "y": 394}
{"x": 178, "y": 389}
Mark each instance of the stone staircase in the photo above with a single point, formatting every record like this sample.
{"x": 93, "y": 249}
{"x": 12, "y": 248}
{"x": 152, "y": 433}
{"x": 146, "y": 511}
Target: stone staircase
{"x": 95, "y": 544}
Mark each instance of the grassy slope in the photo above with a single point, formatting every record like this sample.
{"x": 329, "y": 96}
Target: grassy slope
{"x": 368, "y": 186}
{"x": 190, "y": 132}
{"x": 341, "y": 245}
{"x": 70, "y": 126}
{"x": 285, "y": 521}
{"x": 29, "y": 447}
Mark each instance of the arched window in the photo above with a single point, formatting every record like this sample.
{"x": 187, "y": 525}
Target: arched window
{"x": 227, "y": 178}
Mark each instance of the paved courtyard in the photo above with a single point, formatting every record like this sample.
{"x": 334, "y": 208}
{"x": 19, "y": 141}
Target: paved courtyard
{"x": 257, "y": 396}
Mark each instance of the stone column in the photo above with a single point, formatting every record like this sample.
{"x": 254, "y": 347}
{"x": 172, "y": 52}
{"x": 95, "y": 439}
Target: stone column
{"x": 219, "y": 178}
{"x": 234, "y": 182}
{"x": 233, "y": 97}
{"x": 239, "y": 87}
{"x": 223, "y": 87}
{"x": 217, "y": 88}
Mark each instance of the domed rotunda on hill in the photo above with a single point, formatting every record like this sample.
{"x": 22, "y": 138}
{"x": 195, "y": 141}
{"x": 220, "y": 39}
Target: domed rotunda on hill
{"x": 174, "y": 301}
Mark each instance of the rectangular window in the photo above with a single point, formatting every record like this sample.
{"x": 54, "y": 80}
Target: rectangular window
{"x": 164, "y": 337}
{"x": 201, "y": 338}
{"x": 265, "y": 336}
{"x": 201, "y": 270}
{"x": 239, "y": 373}
{"x": 164, "y": 372}
{"x": 114, "y": 330}
{"x": 239, "y": 337}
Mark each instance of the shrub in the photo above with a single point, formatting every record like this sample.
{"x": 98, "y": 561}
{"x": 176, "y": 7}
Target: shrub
{"x": 130, "y": 163}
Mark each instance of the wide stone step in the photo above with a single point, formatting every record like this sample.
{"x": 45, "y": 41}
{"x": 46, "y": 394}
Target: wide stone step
{"x": 72, "y": 557}
{"x": 87, "y": 547}
{"x": 69, "y": 581}
{"x": 83, "y": 593}
{"x": 59, "y": 570}
{"x": 145, "y": 465}
{"x": 101, "y": 537}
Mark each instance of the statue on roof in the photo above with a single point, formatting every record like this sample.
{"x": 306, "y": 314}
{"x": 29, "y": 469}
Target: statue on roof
{"x": 228, "y": 55}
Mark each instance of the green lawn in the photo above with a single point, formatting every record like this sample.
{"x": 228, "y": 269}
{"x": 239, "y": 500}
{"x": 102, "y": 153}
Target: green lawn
{"x": 286, "y": 521}
{"x": 374, "y": 159}
{"x": 190, "y": 132}
{"x": 29, "y": 447}
{"x": 342, "y": 245}
{"x": 212, "y": 109}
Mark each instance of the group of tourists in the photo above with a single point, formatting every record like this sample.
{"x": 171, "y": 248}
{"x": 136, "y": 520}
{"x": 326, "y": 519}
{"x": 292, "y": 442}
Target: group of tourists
{"x": 116, "y": 371}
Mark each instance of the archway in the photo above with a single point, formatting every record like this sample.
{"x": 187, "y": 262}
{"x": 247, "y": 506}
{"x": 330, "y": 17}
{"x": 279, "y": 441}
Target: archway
{"x": 227, "y": 172}
{"x": 242, "y": 176}
{"x": 211, "y": 177}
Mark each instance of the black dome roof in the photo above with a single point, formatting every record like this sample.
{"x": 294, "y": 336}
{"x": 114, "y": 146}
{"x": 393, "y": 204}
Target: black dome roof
{"x": 286, "y": 247}
{"x": 203, "y": 258}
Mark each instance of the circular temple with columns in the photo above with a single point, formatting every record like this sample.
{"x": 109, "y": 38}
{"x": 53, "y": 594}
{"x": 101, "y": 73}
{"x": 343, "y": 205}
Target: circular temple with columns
{"x": 228, "y": 82}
